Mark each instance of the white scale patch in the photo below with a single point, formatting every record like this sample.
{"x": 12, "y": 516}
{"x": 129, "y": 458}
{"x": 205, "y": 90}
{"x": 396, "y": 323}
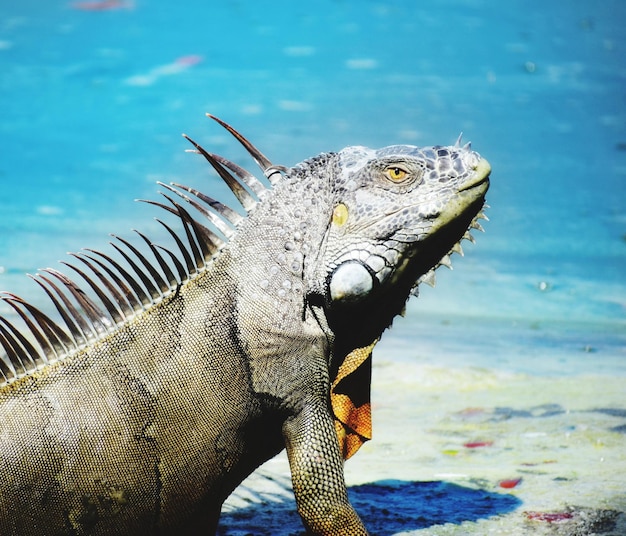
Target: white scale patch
{"x": 353, "y": 158}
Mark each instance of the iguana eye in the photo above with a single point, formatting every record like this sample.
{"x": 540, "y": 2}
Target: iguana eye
{"x": 396, "y": 173}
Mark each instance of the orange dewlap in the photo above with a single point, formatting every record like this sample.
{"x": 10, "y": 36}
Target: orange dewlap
{"x": 350, "y": 400}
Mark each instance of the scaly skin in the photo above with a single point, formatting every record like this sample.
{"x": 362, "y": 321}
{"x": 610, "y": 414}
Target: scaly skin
{"x": 148, "y": 427}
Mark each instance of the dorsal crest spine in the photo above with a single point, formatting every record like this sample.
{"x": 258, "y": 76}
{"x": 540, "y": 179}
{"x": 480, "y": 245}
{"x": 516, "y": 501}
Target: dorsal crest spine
{"x": 119, "y": 293}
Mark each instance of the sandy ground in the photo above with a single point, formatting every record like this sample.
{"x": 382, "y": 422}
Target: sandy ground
{"x": 467, "y": 449}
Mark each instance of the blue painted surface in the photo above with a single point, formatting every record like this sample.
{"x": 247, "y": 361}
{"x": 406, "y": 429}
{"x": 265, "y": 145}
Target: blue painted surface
{"x": 388, "y": 507}
{"x": 93, "y": 101}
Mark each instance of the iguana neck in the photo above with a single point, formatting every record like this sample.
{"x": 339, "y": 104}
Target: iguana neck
{"x": 272, "y": 259}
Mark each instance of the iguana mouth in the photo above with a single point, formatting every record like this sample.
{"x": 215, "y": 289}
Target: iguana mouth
{"x": 480, "y": 176}
{"x": 468, "y": 196}
{"x": 469, "y": 203}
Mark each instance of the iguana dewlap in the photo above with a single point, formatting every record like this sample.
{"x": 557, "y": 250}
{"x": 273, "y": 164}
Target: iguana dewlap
{"x": 172, "y": 374}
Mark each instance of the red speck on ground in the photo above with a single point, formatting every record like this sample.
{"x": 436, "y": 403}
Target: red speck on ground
{"x": 509, "y": 483}
{"x": 471, "y": 412}
{"x": 477, "y": 444}
{"x": 549, "y": 517}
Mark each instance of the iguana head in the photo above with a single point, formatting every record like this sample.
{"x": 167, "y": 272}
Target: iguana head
{"x": 398, "y": 212}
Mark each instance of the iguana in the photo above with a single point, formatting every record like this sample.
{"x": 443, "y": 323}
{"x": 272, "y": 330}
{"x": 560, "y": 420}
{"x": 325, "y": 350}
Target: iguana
{"x": 179, "y": 372}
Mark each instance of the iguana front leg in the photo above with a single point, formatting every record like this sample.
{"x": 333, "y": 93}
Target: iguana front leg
{"x": 317, "y": 473}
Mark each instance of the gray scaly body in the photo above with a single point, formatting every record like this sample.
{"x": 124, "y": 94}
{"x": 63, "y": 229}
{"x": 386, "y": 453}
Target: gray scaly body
{"x": 185, "y": 371}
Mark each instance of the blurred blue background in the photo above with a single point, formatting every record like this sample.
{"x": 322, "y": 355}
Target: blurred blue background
{"x": 95, "y": 94}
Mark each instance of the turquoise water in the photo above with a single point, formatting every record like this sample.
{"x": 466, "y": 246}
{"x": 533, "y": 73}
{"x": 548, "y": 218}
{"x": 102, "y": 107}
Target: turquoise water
{"x": 94, "y": 97}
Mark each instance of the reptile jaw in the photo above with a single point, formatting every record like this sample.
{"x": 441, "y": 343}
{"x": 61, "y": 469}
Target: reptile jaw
{"x": 429, "y": 277}
{"x": 469, "y": 193}
{"x": 482, "y": 170}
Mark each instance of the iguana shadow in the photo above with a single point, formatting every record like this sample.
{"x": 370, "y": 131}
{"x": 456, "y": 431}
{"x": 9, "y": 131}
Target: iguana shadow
{"x": 386, "y": 507}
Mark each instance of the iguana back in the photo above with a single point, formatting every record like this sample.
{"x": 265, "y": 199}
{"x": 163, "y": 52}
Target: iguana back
{"x": 191, "y": 368}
